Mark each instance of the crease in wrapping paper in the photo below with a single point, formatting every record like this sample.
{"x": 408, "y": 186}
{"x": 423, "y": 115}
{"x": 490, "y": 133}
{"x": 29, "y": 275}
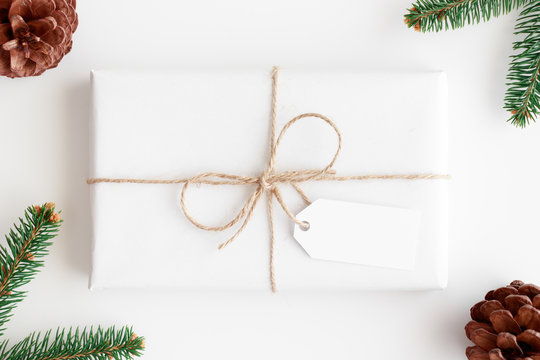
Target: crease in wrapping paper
{"x": 216, "y": 273}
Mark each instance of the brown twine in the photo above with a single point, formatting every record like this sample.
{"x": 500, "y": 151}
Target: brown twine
{"x": 267, "y": 182}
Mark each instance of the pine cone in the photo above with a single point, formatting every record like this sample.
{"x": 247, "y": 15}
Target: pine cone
{"x": 506, "y": 325}
{"x": 35, "y": 35}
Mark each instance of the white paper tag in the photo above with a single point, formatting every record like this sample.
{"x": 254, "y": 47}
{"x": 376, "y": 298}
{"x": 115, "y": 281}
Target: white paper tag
{"x": 360, "y": 234}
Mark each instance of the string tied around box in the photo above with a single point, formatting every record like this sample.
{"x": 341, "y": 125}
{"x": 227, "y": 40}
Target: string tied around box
{"x": 267, "y": 183}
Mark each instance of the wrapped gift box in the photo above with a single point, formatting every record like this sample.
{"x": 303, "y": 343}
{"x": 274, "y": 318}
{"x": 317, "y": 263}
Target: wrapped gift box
{"x": 164, "y": 126}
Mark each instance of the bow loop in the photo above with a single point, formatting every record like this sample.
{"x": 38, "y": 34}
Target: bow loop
{"x": 221, "y": 179}
{"x": 305, "y": 175}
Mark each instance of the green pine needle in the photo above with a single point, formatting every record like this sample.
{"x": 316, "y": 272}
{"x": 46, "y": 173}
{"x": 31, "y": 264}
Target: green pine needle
{"x": 76, "y": 344}
{"x": 523, "y": 95}
{"x": 433, "y": 15}
{"x": 19, "y": 263}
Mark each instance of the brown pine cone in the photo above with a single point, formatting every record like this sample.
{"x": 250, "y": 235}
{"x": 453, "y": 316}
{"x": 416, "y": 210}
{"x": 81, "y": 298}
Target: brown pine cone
{"x": 506, "y": 325}
{"x": 35, "y": 35}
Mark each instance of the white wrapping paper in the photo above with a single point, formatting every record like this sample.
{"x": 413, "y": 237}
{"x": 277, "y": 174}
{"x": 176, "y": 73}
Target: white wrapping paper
{"x": 163, "y": 126}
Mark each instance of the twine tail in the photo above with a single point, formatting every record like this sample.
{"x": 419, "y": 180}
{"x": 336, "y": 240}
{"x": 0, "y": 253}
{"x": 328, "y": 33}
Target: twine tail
{"x": 286, "y": 209}
{"x": 250, "y": 207}
{"x": 273, "y": 283}
{"x": 301, "y": 192}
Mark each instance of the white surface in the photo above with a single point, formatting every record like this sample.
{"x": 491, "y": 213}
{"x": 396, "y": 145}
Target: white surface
{"x": 495, "y": 192}
{"x": 356, "y": 233}
{"x": 191, "y": 122}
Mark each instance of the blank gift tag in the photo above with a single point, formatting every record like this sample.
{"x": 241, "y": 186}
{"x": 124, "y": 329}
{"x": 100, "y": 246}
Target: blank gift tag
{"x": 359, "y": 233}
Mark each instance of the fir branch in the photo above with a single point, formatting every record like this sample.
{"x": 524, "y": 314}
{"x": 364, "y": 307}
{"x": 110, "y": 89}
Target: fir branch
{"x": 437, "y": 15}
{"x": 76, "y": 344}
{"x": 26, "y": 243}
{"x": 18, "y": 266}
{"x": 523, "y": 94}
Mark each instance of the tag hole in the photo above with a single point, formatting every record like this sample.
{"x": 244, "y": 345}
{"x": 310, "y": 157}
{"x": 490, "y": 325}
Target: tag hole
{"x": 305, "y": 226}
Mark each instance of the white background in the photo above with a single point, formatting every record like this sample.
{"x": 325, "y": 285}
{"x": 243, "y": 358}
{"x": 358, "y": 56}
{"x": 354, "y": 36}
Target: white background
{"x": 495, "y": 193}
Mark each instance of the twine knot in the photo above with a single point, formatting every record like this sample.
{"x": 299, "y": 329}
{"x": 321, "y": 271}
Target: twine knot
{"x": 267, "y": 181}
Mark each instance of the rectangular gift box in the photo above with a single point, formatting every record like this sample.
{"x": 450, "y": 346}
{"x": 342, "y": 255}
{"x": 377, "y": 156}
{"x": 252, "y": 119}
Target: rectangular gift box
{"x": 167, "y": 126}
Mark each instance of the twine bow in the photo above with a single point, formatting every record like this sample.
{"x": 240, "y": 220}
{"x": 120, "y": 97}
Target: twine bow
{"x": 268, "y": 182}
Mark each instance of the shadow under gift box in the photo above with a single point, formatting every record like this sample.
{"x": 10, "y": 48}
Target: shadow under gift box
{"x": 166, "y": 126}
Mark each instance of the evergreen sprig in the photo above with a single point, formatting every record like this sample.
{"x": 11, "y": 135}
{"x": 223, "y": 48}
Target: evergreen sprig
{"x": 92, "y": 344}
{"x": 523, "y": 95}
{"x": 19, "y": 263}
{"x": 437, "y": 15}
